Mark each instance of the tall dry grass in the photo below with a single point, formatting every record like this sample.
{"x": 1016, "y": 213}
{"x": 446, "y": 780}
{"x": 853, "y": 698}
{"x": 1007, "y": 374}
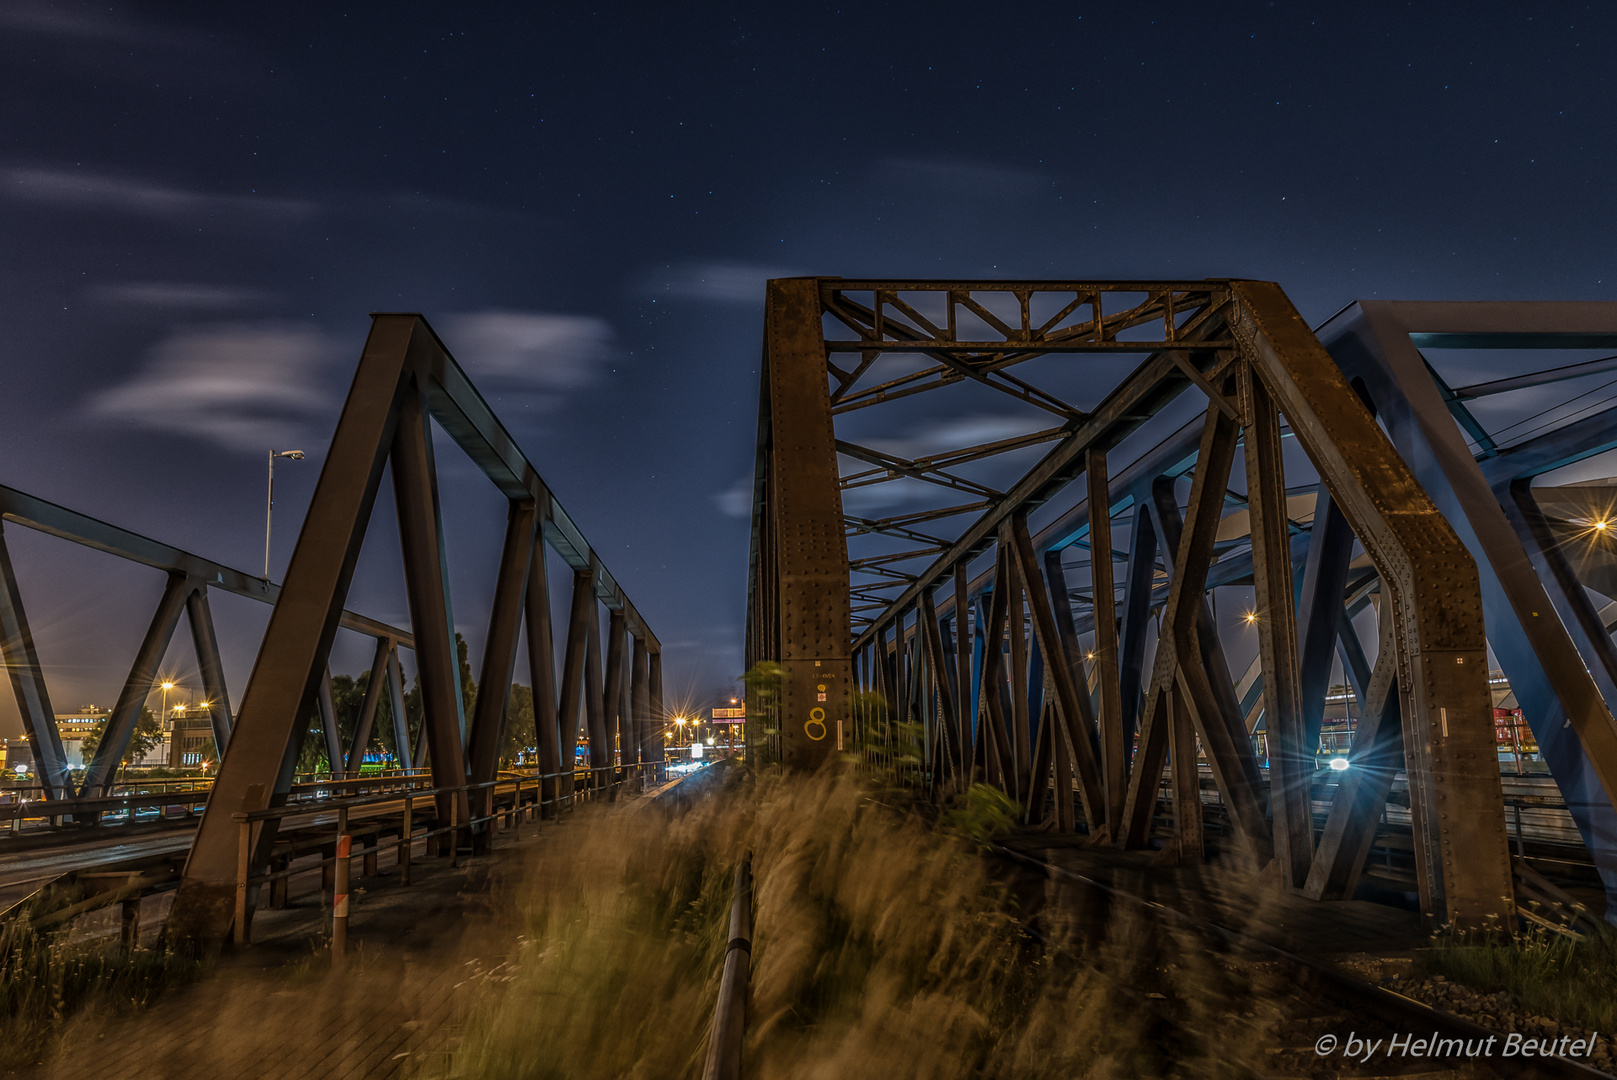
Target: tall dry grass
{"x": 885, "y": 946}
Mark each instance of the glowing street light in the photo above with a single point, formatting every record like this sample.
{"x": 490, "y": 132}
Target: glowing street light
{"x": 269, "y": 504}
{"x": 1250, "y": 617}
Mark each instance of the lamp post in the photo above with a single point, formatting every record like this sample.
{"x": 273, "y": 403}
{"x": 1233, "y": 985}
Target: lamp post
{"x": 269, "y": 502}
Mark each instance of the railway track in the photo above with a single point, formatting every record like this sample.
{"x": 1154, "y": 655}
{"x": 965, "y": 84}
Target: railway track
{"x": 1325, "y": 1022}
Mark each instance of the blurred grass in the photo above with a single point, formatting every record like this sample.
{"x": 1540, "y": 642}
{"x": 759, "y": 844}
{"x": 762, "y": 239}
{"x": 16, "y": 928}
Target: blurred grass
{"x": 46, "y": 979}
{"x": 1551, "y": 974}
{"x": 885, "y": 947}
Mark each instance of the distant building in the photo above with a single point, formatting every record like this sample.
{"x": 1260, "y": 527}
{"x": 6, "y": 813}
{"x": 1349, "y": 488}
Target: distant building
{"x": 74, "y": 726}
{"x": 190, "y": 737}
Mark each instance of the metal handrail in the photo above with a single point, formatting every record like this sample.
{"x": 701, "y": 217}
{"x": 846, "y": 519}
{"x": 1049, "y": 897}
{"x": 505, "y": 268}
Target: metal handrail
{"x": 730, "y": 1014}
{"x": 246, "y": 820}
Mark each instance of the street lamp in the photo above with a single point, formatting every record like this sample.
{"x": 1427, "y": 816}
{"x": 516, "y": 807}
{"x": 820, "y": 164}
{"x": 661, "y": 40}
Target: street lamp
{"x": 269, "y": 503}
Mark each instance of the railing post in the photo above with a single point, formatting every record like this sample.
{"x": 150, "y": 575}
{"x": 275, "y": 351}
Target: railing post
{"x": 339, "y": 904}
{"x": 129, "y": 936}
{"x": 404, "y": 841}
{"x": 454, "y": 828}
{"x": 244, "y": 863}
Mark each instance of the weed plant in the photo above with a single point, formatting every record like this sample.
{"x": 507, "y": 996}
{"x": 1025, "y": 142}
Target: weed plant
{"x": 885, "y": 947}
{"x": 1569, "y": 979}
{"x": 46, "y": 979}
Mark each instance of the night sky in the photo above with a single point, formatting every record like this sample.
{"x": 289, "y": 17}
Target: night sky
{"x": 200, "y": 203}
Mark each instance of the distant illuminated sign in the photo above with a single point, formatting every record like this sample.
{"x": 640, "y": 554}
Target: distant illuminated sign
{"x": 729, "y": 716}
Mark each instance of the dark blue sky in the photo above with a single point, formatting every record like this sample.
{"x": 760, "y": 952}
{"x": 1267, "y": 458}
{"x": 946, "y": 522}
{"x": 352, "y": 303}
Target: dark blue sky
{"x": 201, "y": 202}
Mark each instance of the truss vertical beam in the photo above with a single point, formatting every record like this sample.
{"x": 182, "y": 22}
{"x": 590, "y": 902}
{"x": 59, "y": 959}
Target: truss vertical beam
{"x": 612, "y": 693}
{"x": 500, "y": 652}
{"x": 580, "y": 620}
{"x": 375, "y": 687}
{"x": 426, "y": 576}
{"x": 542, "y": 670}
{"x": 1139, "y": 580}
{"x": 654, "y": 691}
{"x": 938, "y": 660}
{"x": 635, "y": 750}
{"x": 209, "y": 665}
{"x": 1291, "y": 756}
{"x": 1325, "y": 570}
{"x": 395, "y": 703}
{"x": 329, "y": 730}
{"x": 1109, "y": 711}
{"x": 962, "y": 659}
{"x": 807, "y": 532}
{"x": 595, "y": 694}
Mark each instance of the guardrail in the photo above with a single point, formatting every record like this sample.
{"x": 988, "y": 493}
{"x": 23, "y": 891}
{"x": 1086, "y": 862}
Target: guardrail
{"x": 127, "y": 881}
{"x": 189, "y": 797}
{"x": 730, "y": 1014}
{"x": 594, "y": 787}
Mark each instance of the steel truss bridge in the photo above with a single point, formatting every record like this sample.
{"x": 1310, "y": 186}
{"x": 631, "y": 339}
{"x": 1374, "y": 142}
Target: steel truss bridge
{"x": 992, "y": 522}
{"x": 406, "y": 381}
{"x": 998, "y": 514}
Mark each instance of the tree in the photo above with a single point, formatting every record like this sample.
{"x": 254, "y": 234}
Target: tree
{"x": 348, "y": 699}
{"x": 520, "y": 733}
{"x": 147, "y": 734}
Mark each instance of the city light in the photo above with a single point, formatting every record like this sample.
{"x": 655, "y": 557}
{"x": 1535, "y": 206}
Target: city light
{"x": 1339, "y": 764}
{"x": 1250, "y": 617}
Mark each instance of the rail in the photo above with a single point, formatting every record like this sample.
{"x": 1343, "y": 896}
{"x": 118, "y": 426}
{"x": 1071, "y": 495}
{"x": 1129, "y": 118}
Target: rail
{"x": 1375, "y": 999}
{"x": 730, "y": 1014}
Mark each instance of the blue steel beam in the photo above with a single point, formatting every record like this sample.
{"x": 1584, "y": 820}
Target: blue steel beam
{"x": 1562, "y": 676}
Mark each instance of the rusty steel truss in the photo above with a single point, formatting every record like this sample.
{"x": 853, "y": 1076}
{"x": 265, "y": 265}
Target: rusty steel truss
{"x": 959, "y": 621}
{"x": 407, "y": 379}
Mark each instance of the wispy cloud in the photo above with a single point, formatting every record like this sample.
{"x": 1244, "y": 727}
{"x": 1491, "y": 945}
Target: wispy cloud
{"x": 951, "y": 176}
{"x": 735, "y": 501}
{"x": 542, "y": 353}
{"x": 61, "y": 187}
{"x": 82, "y": 22}
{"x": 955, "y": 433}
{"x": 240, "y": 386}
{"x": 181, "y": 295}
{"x": 720, "y": 282}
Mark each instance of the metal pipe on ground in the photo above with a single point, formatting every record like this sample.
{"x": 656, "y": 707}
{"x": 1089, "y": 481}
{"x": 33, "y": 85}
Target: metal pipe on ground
{"x": 730, "y": 1016}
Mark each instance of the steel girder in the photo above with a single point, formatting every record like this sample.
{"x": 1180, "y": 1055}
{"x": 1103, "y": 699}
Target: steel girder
{"x": 1252, "y": 361}
{"x": 406, "y": 376}
{"x": 189, "y": 580}
{"x": 1543, "y": 627}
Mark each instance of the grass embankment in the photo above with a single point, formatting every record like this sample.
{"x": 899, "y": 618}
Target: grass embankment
{"x": 1572, "y": 980}
{"x": 884, "y": 947}
{"x": 46, "y": 979}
